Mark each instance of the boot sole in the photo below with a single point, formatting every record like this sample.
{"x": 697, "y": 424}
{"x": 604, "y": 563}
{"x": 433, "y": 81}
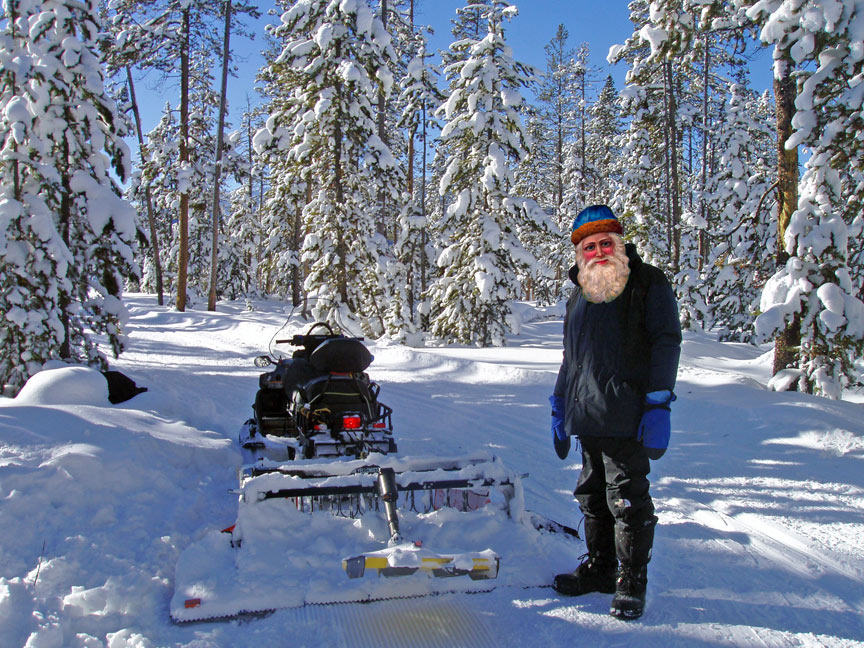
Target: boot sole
{"x": 582, "y": 593}
{"x": 572, "y": 592}
{"x": 626, "y": 615}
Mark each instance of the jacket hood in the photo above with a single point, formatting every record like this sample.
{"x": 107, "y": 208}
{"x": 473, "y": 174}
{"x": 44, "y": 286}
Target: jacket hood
{"x": 632, "y": 255}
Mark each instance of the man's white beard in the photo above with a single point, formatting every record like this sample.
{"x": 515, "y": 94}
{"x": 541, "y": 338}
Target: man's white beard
{"x": 605, "y": 282}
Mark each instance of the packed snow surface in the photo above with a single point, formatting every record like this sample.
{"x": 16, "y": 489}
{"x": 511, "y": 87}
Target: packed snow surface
{"x": 760, "y": 499}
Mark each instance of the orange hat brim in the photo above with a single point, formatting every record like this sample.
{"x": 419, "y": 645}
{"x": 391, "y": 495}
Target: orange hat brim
{"x": 596, "y": 227}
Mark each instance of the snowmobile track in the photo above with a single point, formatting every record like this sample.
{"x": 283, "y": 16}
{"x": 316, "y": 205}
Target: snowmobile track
{"x": 409, "y": 622}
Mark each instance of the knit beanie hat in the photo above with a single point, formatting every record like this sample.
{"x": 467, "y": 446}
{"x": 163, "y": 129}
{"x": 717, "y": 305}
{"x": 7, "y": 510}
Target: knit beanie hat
{"x": 593, "y": 220}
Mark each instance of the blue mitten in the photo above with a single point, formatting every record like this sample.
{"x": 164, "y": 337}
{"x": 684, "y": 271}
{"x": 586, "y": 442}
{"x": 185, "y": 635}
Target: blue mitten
{"x": 560, "y": 438}
{"x": 655, "y": 427}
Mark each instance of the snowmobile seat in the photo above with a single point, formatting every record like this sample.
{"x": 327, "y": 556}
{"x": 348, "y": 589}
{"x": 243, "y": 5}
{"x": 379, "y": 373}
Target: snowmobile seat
{"x": 288, "y": 374}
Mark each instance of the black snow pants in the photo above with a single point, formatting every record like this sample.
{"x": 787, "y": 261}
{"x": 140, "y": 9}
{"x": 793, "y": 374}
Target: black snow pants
{"x": 612, "y": 490}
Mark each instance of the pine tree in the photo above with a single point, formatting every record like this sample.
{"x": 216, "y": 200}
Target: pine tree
{"x": 604, "y": 160}
{"x": 741, "y": 239}
{"x": 69, "y": 236}
{"x": 483, "y": 256}
{"x": 576, "y": 169}
{"x": 336, "y": 56}
{"x": 675, "y": 92}
{"x": 180, "y": 37}
{"x": 420, "y": 96}
{"x": 559, "y": 104}
{"x": 813, "y": 290}
{"x": 161, "y": 153}
{"x": 643, "y": 197}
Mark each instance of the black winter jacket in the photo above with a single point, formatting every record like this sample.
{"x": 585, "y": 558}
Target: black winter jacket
{"x": 617, "y": 352}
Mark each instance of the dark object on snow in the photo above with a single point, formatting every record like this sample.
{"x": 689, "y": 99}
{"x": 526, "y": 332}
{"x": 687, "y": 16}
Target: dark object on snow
{"x": 121, "y": 387}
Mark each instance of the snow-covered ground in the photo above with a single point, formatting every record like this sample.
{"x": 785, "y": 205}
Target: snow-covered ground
{"x": 760, "y": 497}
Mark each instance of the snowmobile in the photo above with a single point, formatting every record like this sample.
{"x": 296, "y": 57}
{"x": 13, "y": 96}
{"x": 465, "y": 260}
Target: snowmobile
{"x": 327, "y": 513}
{"x": 319, "y": 402}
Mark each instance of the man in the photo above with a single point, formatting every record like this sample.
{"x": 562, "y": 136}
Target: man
{"x": 622, "y": 340}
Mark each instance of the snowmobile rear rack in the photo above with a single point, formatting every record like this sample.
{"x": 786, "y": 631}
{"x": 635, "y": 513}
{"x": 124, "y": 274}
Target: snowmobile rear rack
{"x": 368, "y": 483}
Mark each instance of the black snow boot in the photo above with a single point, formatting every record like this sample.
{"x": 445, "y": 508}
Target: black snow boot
{"x": 630, "y": 587}
{"x": 597, "y": 572}
{"x": 633, "y": 547}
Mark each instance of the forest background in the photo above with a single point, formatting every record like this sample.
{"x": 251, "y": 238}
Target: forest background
{"x": 399, "y": 190}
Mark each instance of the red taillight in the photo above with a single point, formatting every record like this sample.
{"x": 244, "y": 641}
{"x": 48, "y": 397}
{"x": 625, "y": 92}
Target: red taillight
{"x": 352, "y": 422}
{"x": 192, "y": 603}
{"x": 380, "y": 425}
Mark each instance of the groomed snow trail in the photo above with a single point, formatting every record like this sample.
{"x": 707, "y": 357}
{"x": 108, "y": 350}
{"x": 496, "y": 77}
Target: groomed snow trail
{"x": 760, "y": 498}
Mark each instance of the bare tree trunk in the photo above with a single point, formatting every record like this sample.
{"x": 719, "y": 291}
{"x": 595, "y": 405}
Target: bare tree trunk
{"x": 675, "y": 181}
{"x": 382, "y": 110}
{"x": 298, "y": 235}
{"x": 66, "y": 234}
{"x": 703, "y": 238}
{"x": 183, "y": 253}
{"x": 423, "y": 239}
{"x": 217, "y": 173}
{"x": 559, "y": 165}
{"x": 338, "y": 189}
{"x": 787, "y": 344}
{"x": 667, "y": 141}
{"x": 151, "y": 219}
{"x": 583, "y": 135}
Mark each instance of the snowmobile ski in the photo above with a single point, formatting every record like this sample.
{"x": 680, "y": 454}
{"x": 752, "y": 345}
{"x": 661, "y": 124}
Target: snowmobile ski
{"x": 410, "y": 558}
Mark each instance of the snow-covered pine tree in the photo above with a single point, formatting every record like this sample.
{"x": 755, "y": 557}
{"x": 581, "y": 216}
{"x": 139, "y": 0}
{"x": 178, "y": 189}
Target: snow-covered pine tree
{"x": 688, "y": 53}
{"x": 33, "y": 256}
{"x": 558, "y": 108}
{"x": 576, "y": 171}
{"x": 643, "y": 199}
{"x": 69, "y": 236}
{"x": 555, "y": 126}
{"x": 336, "y": 56}
{"x": 124, "y": 45}
{"x": 546, "y": 240}
{"x": 742, "y": 234}
{"x": 179, "y": 38}
{"x": 816, "y": 284}
{"x": 483, "y": 134}
{"x": 240, "y": 247}
{"x": 161, "y": 153}
{"x": 284, "y": 192}
{"x": 604, "y": 160}
{"x": 419, "y": 99}
{"x": 397, "y": 16}
{"x": 171, "y": 178}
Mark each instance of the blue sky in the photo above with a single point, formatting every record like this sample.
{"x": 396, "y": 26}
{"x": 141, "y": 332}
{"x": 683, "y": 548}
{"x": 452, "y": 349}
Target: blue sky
{"x": 599, "y": 23}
